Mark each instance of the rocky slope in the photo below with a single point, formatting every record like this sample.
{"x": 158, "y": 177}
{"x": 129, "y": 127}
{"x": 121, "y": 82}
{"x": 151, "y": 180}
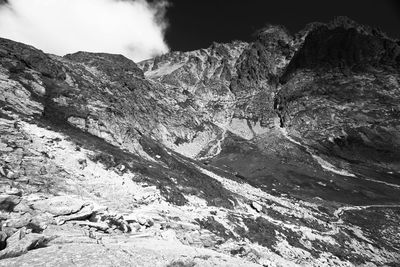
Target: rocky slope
{"x": 279, "y": 152}
{"x": 199, "y": 82}
{"x": 341, "y": 94}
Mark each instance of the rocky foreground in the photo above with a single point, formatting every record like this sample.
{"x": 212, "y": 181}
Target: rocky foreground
{"x": 279, "y": 152}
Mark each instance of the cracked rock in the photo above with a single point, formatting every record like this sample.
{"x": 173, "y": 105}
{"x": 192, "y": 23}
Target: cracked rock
{"x": 20, "y": 242}
{"x": 59, "y": 205}
{"x": 256, "y": 206}
{"x": 8, "y": 202}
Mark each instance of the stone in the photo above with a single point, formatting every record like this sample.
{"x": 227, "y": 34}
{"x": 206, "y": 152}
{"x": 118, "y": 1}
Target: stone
{"x": 2, "y": 172}
{"x": 188, "y": 239}
{"x": 102, "y": 226}
{"x": 142, "y": 221}
{"x": 99, "y": 209}
{"x": 42, "y": 220}
{"x": 130, "y": 218}
{"x": 207, "y": 242}
{"x": 264, "y": 109}
{"x": 11, "y": 174}
{"x": 59, "y": 205}
{"x": 83, "y": 214}
{"x": 135, "y": 227}
{"x": 12, "y": 240}
{"x": 14, "y": 191}
{"x": 23, "y": 207}
{"x": 3, "y": 242}
{"x": 18, "y": 221}
{"x": 168, "y": 235}
{"x": 9, "y": 202}
{"x": 18, "y": 244}
{"x": 256, "y": 206}
{"x": 82, "y": 163}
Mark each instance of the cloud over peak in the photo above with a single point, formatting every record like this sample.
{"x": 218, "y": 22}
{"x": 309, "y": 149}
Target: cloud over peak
{"x": 134, "y": 28}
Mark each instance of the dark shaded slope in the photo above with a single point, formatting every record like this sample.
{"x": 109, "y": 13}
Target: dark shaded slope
{"x": 346, "y": 49}
{"x": 340, "y": 94}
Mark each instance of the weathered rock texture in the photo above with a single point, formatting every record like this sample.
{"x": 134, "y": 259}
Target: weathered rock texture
{"x": 279, "y": 152}
{"x": 340, "y": 93}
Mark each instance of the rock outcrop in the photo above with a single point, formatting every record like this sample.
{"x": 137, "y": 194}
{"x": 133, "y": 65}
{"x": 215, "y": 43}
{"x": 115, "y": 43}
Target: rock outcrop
{"x": 259, "y": 69}
{"x": 340, "y": 93}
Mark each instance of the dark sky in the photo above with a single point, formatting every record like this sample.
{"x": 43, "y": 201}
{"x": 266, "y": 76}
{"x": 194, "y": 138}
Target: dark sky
{"x": 196, "y": 24}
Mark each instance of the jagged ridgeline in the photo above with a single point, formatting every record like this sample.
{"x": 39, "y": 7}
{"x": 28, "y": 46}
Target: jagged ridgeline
{"x": 277, "y": 152}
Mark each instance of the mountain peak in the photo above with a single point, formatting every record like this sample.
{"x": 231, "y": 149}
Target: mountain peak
{"x": 273, "y": 33}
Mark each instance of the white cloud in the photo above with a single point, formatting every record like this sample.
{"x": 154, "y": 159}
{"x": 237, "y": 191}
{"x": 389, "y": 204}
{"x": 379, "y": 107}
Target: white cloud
{"x": 133, "y": 28}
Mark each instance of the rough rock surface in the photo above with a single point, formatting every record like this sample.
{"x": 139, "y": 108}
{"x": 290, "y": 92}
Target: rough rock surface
{"x": 280, "y": 152}
{"x": 199, "y": 83}
{"x": 340, "y": 94}
{"x": 258, "y": 71}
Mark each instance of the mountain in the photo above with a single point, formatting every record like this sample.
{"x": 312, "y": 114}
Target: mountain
{"x": 279, "y": 152}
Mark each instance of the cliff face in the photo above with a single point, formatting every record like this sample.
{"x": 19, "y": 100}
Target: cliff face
{"x": 271, "y": 150}
{"x": 258, "y": 69}
{"x": 197, "y": 83}
{"x": 340, "y": 94}
{"x": 109, "y": 96}
{"x": 89, "y": 91}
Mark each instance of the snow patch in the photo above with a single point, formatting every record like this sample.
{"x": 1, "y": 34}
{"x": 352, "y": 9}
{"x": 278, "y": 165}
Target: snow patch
{"x": 162, "y": 70}
{"x": 341, "y": 210}
{"x": 329, "y": 167}
{"x": 323, "y": 163}
{"x": 241, "y": 128}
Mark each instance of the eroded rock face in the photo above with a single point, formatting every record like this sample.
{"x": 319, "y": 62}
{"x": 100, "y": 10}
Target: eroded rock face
{"x": 340, "y": 94}
{"x": 197, "y": 83}
{"x": 258, "y": 71}
{"x": 65, "y": 91}
{"x": 108, "y": 96}
{"x": 346, "y": 45}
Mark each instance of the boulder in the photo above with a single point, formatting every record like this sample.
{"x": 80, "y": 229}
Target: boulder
{"x": 169, "y": 235}
{"x": 102, "y": 226}
{"x": 14, "y": 191}
{"x": 18, "y": 220}
{"x": 3, "y": 238}
{"x": 256, "y": 206}
{"x": 83, "y": 214}
{"x": 8, "y": 202}
{"x": 59, "y": 205}
{"x": 20, "y": 242}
